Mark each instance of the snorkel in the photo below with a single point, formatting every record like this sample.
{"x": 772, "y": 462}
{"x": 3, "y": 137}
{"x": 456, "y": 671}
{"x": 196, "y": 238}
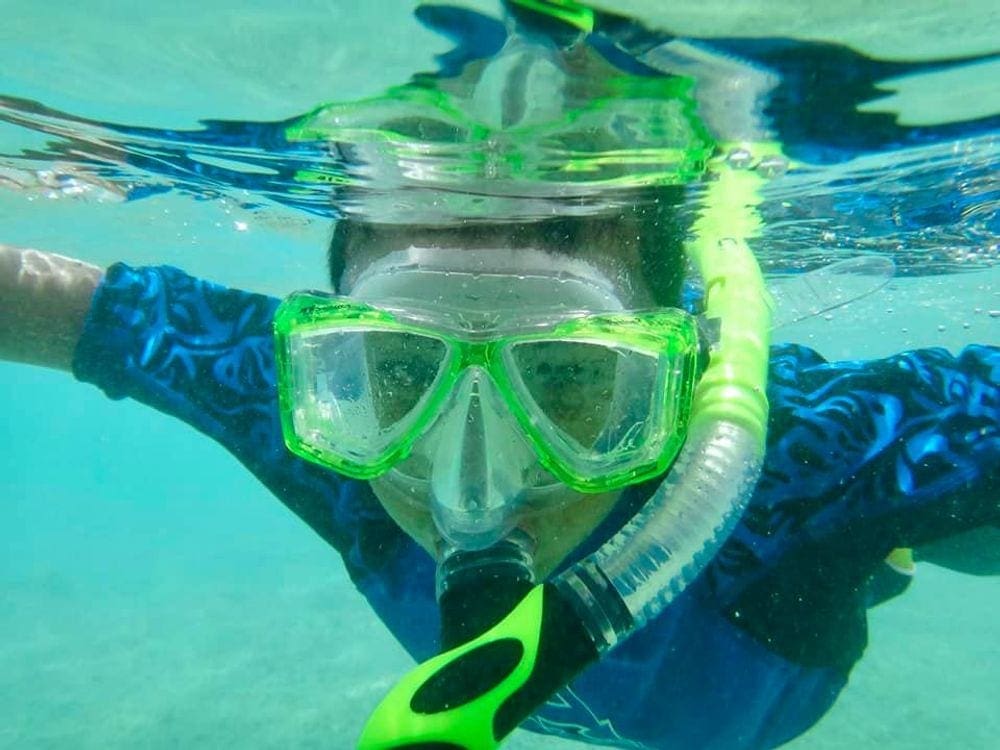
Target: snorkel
{"x": 475, "y": 694}
{"x": 539, "y": 635}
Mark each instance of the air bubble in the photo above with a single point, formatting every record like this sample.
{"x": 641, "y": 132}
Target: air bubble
{"x": 772, "y": 166}
{"x": 739, "y": 158}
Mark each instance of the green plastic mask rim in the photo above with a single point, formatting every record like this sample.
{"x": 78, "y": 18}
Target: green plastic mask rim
{"x": 667, "y": 332}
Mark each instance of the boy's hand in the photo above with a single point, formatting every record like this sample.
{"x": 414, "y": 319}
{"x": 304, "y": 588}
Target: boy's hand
{"x": 44, "y": 299}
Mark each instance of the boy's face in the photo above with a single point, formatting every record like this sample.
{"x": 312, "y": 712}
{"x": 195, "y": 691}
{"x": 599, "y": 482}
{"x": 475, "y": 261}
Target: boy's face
{"x": 563, "y": 518}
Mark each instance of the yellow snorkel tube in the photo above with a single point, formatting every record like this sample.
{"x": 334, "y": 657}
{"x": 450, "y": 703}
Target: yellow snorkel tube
{"x": 474, "y": 695}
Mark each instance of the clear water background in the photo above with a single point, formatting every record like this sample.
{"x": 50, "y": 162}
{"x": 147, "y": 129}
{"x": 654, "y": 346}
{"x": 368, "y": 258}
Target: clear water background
{"x": 152, "y": 594}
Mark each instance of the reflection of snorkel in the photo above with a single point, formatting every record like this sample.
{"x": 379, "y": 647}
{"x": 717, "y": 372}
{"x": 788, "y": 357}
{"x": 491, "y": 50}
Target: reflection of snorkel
{"x": 475, "y": 694}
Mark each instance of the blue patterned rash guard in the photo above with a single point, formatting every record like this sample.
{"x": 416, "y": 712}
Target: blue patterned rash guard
{"x": 862, "y": 457}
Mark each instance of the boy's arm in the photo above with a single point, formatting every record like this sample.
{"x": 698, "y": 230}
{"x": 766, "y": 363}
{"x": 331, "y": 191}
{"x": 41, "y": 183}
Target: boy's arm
{"x": 204, "y": 353}
{"x": 910, "y": 444}
{"x": 863, "y": 458}
{"x": 44, "y": 299}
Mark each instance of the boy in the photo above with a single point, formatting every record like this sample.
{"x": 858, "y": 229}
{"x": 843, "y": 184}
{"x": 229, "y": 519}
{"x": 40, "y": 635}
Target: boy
{"x": 861, "y": 458}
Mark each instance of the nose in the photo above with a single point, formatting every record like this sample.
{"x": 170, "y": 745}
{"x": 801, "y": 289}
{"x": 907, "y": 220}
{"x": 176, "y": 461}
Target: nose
{"x": 480, "y": 463}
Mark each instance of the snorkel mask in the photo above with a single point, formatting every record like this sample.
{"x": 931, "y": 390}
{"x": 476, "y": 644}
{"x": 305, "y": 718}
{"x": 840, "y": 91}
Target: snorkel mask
{"x": 485, "y": 407}
{"x": 438, "y": 157}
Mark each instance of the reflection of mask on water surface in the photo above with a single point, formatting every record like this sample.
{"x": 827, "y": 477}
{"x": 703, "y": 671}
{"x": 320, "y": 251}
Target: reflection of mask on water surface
{"x": 532, "y": 132}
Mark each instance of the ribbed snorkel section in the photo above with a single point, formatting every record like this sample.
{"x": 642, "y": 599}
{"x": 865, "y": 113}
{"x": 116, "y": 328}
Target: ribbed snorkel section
{"x": 668, "y": 543}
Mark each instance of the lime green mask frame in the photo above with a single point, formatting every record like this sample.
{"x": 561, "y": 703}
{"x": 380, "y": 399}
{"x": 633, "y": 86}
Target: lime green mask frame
{"x": 668, "y": 335}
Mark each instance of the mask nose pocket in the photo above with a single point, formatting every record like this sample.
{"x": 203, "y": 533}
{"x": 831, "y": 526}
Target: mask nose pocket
{"x": 480, "y": 463}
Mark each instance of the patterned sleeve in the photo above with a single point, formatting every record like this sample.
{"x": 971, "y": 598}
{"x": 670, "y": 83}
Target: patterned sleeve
{"x": 204, "y": 353}
{"x": 862, "y": 458}
{"x": 910, "y": 444}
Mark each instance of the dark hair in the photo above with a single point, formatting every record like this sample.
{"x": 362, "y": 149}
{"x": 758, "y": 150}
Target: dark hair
{"x": 646, "y": 234}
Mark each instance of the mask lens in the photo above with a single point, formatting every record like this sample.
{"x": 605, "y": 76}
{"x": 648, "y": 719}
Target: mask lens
{"x": 601, "y": 413}
{"x": 357, "y": 393}
{"x": 598, "y": 398}
{"x": 571, "y": 383}
{"x": 402, "y": 368}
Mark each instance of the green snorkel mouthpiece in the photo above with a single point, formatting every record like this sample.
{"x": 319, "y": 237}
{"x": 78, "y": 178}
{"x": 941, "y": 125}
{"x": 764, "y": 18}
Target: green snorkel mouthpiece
{"x": 508, "y": 646}
{"x": 473, "y": 696}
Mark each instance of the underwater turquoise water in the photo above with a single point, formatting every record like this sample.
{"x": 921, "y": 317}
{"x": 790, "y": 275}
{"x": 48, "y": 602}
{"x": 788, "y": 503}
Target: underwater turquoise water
{"x": 153, "y": 595}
